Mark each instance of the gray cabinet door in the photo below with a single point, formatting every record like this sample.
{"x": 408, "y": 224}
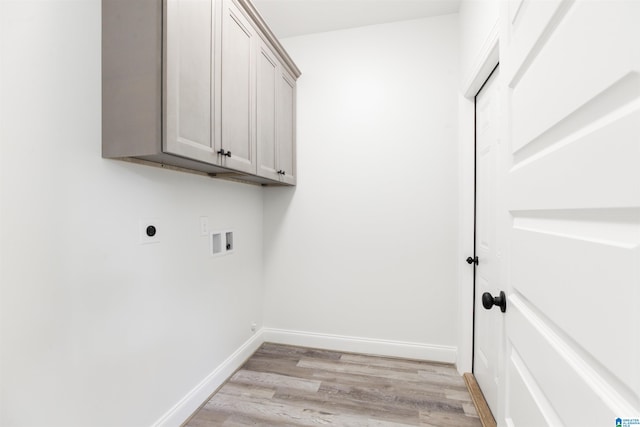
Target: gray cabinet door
{"x": 286, "y": 141}
{"x": 266, "y": 112}
{"x": 190, "y": 79}
{"x": 238, "y": 89}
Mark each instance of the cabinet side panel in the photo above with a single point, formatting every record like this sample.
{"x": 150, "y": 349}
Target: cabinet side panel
{"x": 131, "y": 77}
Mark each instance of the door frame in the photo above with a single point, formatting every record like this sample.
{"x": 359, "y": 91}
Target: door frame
{"x": 484, "y": 65}
{"x": 475, "y": 213}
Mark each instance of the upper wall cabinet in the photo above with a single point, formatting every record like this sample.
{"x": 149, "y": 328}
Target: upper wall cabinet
{"x": 185, "y": 84}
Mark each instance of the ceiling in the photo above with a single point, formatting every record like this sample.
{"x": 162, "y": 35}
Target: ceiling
{"x": 288, "y": 18}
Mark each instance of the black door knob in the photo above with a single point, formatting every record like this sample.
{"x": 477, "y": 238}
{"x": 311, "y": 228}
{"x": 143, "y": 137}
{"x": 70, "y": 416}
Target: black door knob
{"x": 488, "y": 301}
{"x": 473, "y": 260}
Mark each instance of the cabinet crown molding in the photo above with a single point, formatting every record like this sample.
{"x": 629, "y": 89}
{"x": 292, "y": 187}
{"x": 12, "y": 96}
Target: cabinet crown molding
{"x": 266, "y": 32}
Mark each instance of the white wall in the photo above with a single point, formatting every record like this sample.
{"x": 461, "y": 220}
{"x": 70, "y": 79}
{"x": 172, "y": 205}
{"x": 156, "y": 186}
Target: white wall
{"x": 366, "y": 245}
{"x": 98, "y": 330}
{"x": 478, "y": 56}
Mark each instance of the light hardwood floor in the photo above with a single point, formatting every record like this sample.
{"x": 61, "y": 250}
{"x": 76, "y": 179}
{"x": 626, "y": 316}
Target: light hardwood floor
{"x": 293, "y": 386}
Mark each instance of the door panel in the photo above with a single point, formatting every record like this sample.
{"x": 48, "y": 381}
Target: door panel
{"x": 598, "y": 60}
{"x": 189, "y": 87}
{"x": 238, "y": 89}
{"x": 564, "y": 386}
{"x": 526, "y": 409}
{"x": 573, "y": 212}
{"x": 527, "y": 22}
{"x": 565, "y": 267}
{"x": 594, "y": 177}
{"x": 487, "y": 324}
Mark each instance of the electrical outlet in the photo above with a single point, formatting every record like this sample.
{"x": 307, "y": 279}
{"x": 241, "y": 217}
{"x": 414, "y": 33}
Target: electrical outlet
{"x": 254, "y": 326}
{"x": 149, "y": 231}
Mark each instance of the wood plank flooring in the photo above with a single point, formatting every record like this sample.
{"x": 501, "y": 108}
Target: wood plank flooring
{"x": 294, "y": 386}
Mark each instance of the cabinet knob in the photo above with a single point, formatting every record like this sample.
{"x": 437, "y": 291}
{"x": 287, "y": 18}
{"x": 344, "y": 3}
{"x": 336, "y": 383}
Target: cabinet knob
{"x": 228, "y": 154}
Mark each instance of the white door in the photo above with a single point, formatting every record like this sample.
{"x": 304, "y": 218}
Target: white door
{"x": 571, "y": 213}
{"x": 487, "y": 323}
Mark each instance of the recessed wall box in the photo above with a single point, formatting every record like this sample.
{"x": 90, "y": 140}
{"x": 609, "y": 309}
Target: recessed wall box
{"x": 216, "y": 244}
{"x": 229, "y": 241}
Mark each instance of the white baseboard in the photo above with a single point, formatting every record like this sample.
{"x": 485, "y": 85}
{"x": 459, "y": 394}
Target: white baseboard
{"x": 196, "y": 397}
{"x": 409, "y": 350}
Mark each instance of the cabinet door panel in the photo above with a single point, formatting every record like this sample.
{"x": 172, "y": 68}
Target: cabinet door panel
{"x": 238, "y": 89}
{"x": 286, "y": 128}
{"x": 188, "y": 65}
{"x": 266, "y": 113}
